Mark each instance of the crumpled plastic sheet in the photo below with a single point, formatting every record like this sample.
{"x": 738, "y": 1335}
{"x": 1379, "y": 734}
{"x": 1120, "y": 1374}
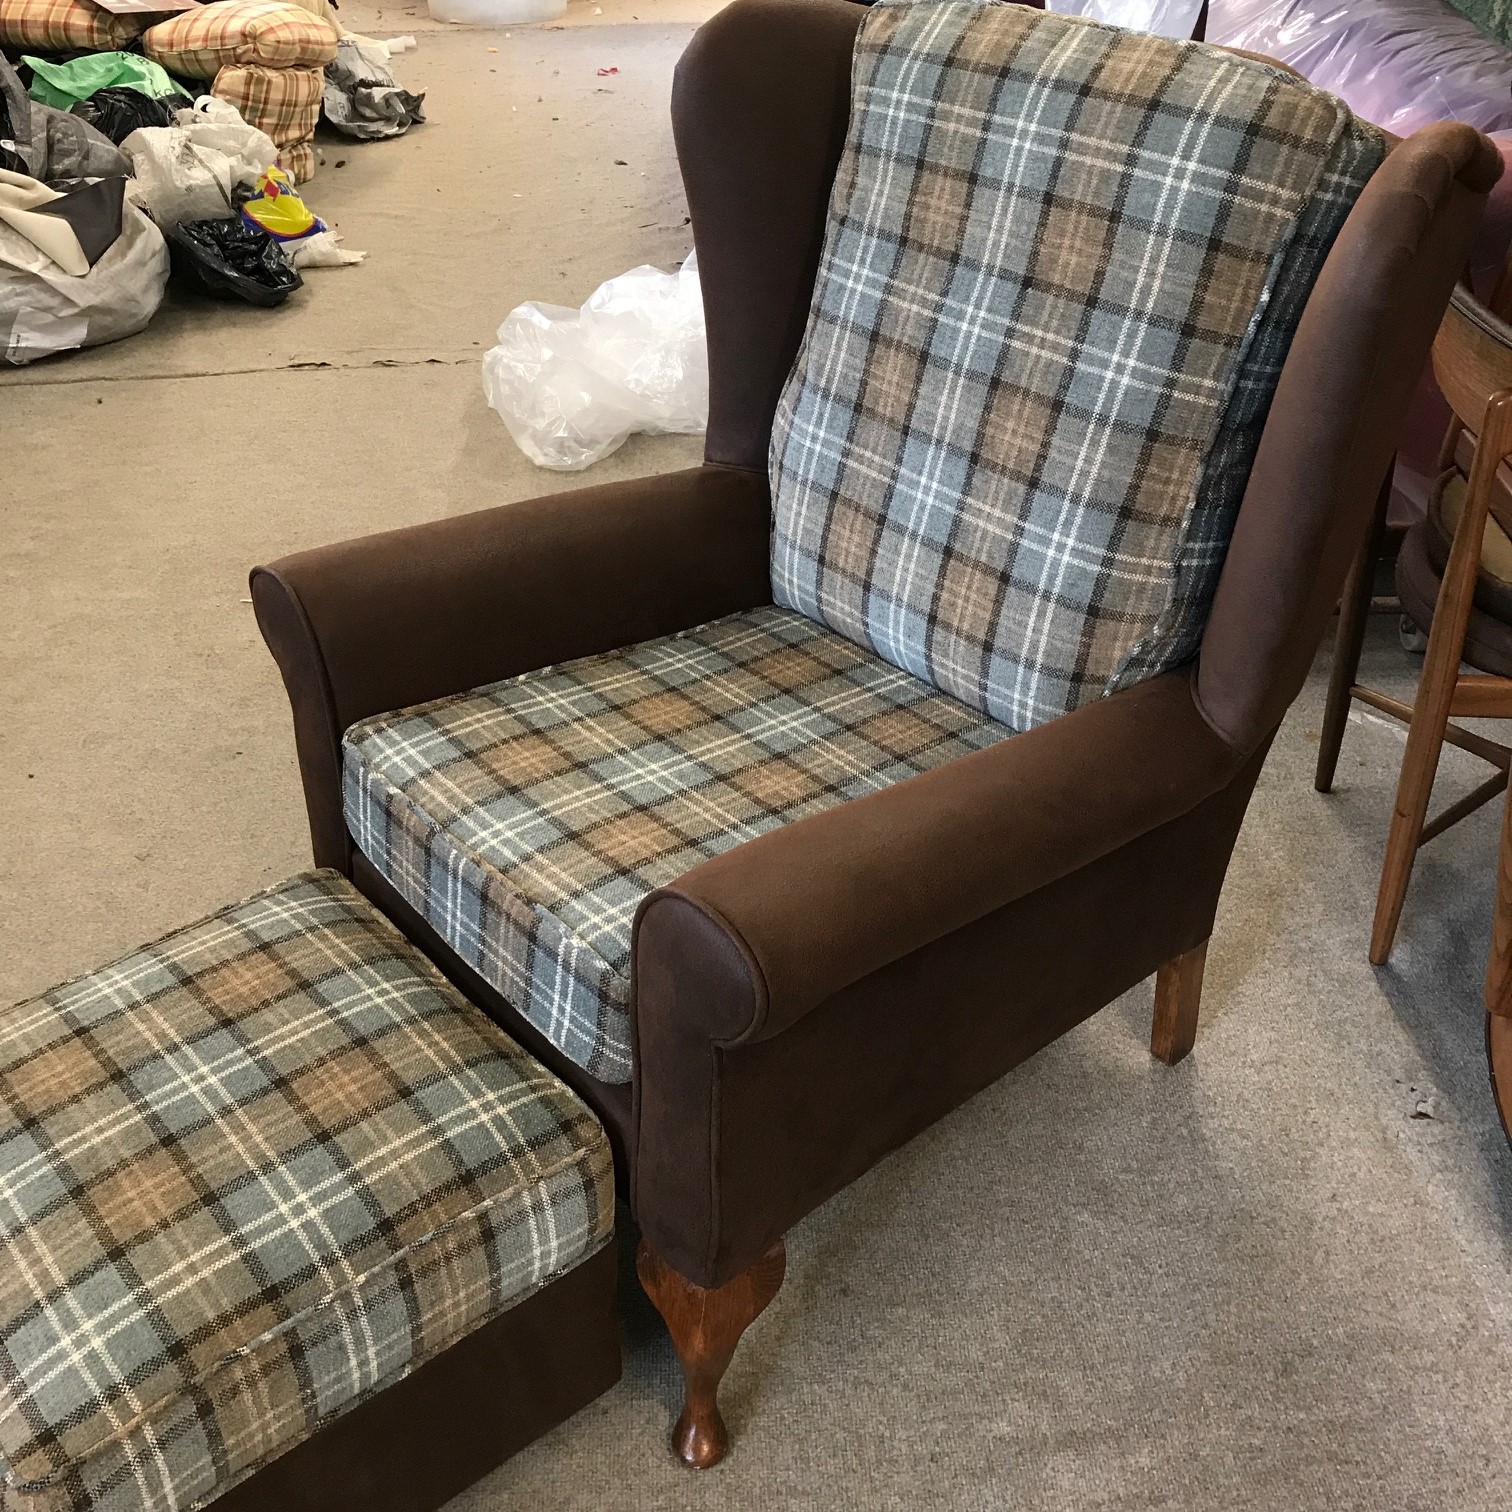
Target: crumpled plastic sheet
{"x": 571, "y": 385}
{"x": 1402, "y": 64}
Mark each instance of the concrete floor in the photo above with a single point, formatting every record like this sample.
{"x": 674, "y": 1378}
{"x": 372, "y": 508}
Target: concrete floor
{"x": 1257, "y": 1281}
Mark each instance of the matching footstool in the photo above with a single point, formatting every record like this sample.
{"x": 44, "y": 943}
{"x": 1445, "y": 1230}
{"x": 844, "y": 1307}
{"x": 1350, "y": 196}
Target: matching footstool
{"x": 285, "y": 1223}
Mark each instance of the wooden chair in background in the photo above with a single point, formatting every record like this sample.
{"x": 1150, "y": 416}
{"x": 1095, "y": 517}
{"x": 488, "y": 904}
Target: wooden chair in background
{"x": 1454, "y": 577}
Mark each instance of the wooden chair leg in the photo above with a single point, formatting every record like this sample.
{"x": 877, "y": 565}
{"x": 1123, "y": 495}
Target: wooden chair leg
{"x": 1499, "y": 1054}
{"x": 706, "y": 1325}
{"x": 1499, "y": 981}
{"x": 1178, "y": 993}
{"x": 1425, "y": 739}
{"x": 1499, "y": 965}
{"x": 1354, "y": 616}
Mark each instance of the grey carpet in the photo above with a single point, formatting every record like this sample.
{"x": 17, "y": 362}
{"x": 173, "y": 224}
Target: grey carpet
{"x": 1256, "y": 1281}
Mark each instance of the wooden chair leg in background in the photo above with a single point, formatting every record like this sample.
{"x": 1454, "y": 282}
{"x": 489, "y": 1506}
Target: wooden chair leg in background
{"x": 1354, "y": 616}
{"x": 1499, "y": 981}
{"x": 1425, "y": 740}
{"x": 706, "y": 1325}
{"x": 1435, "y": 696}
{"x": 1178, "y": 993}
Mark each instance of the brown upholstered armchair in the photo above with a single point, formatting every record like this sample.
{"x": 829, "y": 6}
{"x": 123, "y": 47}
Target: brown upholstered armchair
{"x": 799, "y": 1004}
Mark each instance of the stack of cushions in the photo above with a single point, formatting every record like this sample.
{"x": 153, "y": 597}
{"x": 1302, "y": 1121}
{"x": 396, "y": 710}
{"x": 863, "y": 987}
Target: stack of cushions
{"x": 266, "y": 57}
{"x": 1062, "y": 269}
{"x": 65, "y": 26}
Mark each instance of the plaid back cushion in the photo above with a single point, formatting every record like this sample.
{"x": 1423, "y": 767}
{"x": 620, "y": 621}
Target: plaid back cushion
{"x": 249, "y": 1175}
{"x": 272, "y": 33}
{"x": 1063, "y": 266}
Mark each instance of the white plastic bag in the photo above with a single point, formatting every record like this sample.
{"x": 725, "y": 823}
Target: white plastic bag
{"x": 45, "y": 310}
{"x": 173, "y": 180}
{"x": 186, "y": 172}
{"x": 1166, "y": 18}
{"x": 572, "y": 384}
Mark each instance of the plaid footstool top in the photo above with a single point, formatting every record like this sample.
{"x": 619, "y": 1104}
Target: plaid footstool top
{"x": 250, "y": 1175}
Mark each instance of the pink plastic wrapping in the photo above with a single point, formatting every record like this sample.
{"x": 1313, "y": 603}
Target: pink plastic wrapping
{"x": 1166, "y": 18}
{"x": 1402, "y": 64}
{"x": 1399, "y": 63}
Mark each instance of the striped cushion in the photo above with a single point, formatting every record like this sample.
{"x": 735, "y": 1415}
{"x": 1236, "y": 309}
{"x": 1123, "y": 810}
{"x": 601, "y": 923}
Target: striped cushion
{"x": 1063, "y": 265}
{"x": 248, "y": 1176}
{"x": 271, "y": 33}
{"x": 527, "y": 820}
{"x": 65, "y": 26}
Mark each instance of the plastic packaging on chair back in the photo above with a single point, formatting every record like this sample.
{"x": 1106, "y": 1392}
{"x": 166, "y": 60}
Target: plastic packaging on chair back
{"x": 1400, "y": 63}
{"x": 1166, "y": 18}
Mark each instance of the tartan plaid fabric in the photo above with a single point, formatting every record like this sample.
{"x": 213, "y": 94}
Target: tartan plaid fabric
{"x": 527, "y": 820}
{"x": 248, "y": 1176}
{"x": 283, "y": 102}
{"x": 65, "y": 26}
{"x": 268, "y": 33}
{"x": 1063, "y": 265}
{"x": 298, "y": 161}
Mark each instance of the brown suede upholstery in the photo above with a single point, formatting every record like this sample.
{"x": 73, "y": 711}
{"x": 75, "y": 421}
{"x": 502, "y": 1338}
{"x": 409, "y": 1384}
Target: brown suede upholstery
{"x": 394, "y": 619}
{"x": 1332, "y": 426}
{"x": 811, "y": 999}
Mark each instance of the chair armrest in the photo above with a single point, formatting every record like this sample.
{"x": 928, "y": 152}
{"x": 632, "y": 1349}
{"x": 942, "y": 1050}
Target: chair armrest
{"x": 375, "y": 624}
{"x": 801, "y": 913}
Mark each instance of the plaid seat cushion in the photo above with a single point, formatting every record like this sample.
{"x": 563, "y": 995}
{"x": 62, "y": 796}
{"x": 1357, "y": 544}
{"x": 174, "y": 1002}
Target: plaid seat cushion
{"x": 250, "y": 1175}
{"x": 527, "y": 820}
{"x": 1063, "y": 266}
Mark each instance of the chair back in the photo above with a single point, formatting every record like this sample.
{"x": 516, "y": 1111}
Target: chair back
{"x": 760, "y": 112}
{"x": 1472, "y": 360}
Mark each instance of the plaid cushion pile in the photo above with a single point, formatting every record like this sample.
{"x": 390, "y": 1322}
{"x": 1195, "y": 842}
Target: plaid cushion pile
{"x": 65, "y": 26}
{"x": 266, "y": 33}
{"x": 527, "y": 820}
{"x": 283, "y": 102}
{"x": 1063, "y": 266}
{"x": 248, "y": 1176}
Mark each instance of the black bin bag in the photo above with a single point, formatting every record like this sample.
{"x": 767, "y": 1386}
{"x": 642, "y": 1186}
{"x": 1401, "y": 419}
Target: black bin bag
{"x": 228, "y": 259}
{"x": 117, "y": 111}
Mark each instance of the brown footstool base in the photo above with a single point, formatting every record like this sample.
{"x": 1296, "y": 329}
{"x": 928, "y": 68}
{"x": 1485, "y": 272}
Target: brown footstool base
{"x": 418, "y": 1444}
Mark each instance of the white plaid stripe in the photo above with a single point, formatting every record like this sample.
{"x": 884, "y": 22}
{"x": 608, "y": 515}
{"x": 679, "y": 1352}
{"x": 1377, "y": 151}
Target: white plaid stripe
{"x": 1063, "y": 266}
{"x": 526, "y": 821}
{"x": 200, "y": 1266}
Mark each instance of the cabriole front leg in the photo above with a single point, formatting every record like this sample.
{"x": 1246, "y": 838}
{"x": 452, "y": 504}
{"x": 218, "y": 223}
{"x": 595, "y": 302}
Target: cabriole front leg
{"x": 706, "y": 1325}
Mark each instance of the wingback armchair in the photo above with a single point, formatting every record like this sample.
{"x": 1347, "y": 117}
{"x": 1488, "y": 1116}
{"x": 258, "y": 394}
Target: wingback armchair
{"x": 767, "y": 978}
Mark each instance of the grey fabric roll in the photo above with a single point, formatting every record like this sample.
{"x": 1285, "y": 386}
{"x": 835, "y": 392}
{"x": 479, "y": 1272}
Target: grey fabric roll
{"x": 363, "y": 99}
